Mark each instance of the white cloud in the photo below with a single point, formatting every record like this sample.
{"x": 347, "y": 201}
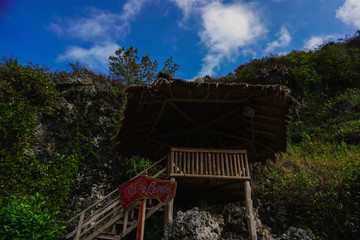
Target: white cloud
{"x": 190, "y": 6}
{"x": 283, "y": 40}
{"x": 349, "y": 13}
{"x": 95, "y": 57}
{"x": 316, "y": 41}
{"x": 227, "y": 28}
{"x": 99, "y": 26}
{"x": 102, "y": 29}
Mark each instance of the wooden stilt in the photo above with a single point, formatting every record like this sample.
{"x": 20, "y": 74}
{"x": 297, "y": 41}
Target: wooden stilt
{"x": 141, "y": 220}
{"x": 169, "y": 210}
{"x": 249, "y": 211}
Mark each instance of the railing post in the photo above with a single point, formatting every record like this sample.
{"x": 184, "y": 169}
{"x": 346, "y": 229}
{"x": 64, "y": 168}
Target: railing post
{"x": 169, "y": 210}
{"x": 249, "y": 211}
{"x": 81, "y": 221}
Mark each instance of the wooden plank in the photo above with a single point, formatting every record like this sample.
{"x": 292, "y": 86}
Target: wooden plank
{"x": 180, "y": 162}
{"x": 193, "y": 170}
{"x": 227, "y": 165}
{"x": 231, "y": 164}
{"x": 159, "y": 173}
{"x": 207, "y": 177}
{"x": 206, "y": 164}
{"x": 201, "y": 164}
{"x": 189, "y": 162}
{"x": 213, "y": 157}
{"x": 210, "y": 160}
{"x": 172, "y": 161}
{"x": 222, "y": 164}
{"x": 218, "y": 164}
{"x": 111, "y": 205}
{"x": 204, "y": 150}
{"x": 247, "y": 166}
{"x": 249, "y": 211}
{"x": 80, "y": 226}
{"x": 102, "y": 228}
{"x": 197, "y": 163}
{"x": 243, "y": 165}
{"x": 125, "y": 224}
{"x": 177, "y": 168}
{"x": 238, "y": 164}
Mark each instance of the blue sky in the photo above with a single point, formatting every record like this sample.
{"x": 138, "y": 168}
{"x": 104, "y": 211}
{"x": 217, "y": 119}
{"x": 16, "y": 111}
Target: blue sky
{"x": 203, "y": 36}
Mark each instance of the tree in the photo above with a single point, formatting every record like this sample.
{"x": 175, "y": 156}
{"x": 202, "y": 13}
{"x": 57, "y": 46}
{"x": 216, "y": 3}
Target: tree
{"x": 128, "y": 68}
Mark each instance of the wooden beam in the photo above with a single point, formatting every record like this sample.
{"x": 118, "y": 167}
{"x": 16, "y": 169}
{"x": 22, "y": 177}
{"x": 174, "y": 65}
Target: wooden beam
{"x": 249, "y": 211}
{"x": 196, "y": 100}
{"x": 223, "y": 116}
{"x": 208, "y": 176}
{"x": 157, "y": 119}
{"x": 183, "y": 113}
{"x": 230, "y": 136}
{"x": 173, "y": 134}
{"x": 204, "y": 150}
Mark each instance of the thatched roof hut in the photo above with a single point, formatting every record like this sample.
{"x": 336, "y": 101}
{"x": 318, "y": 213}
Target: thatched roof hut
{"x": 178, "y": 113}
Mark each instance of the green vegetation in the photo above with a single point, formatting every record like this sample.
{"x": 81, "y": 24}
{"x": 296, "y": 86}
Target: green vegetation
{"x": 127, "y": 67}
{"x": 136, "y": 165}
{"x": 319, "y": 183}
{"x": 318, "y": 179}
{"x": 32, "y": 190}
{"x": 27, "y": 217}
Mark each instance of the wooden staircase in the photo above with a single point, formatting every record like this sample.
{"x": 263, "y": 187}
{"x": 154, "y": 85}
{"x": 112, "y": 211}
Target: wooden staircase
{"x": 106, "y": 219}
{"x": 214, "y": 172}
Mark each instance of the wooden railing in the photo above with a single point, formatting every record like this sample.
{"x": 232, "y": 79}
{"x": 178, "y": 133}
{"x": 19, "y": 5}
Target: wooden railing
{"x": 208, "y": 163}
{"x": 103, "y": 215}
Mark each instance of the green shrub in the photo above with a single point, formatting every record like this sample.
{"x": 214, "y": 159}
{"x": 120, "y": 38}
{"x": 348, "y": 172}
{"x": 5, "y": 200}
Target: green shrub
{"x": 319, "y": 183}
{"x": 27, "y": 218}
{"x": 32, "y": 82}
{"x": 136, "y": 165}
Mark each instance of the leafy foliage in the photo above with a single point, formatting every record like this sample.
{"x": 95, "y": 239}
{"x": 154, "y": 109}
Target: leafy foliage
{"x": 136, "y": 165}
{"x": 21, "y": 172}
{"x": 27, "y": 217}
{"x": 127, "y": 66}
{"x": 319, "y": 183}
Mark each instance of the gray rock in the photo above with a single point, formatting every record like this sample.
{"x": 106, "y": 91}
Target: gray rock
{"x": 234, "y": 216}
{"x": 193, "y": 225}
{"x": 298, "y": 234}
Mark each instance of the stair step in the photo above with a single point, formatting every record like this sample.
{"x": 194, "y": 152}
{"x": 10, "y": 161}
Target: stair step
{"x": 106, "y": 236}
{"x": 122, "y": 222}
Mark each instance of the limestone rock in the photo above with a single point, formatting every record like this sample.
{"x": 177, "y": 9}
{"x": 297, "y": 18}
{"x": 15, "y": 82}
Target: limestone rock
{"x": 298, "y": 234}
{"x": 193, "y": 225}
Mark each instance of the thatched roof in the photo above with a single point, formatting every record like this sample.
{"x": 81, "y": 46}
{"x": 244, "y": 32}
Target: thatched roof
{"x": 177, "y": 113}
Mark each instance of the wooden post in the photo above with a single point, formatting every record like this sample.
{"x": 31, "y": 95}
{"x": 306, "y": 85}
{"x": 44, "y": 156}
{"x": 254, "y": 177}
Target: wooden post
{"x": 78, "y": 231}
{"x": 169, "y": 210}
{"x": 141, "y": 220}
{"x": 249, "y": 211}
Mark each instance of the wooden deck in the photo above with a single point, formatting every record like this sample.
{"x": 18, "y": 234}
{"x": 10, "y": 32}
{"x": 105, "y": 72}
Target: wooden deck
{"x": 208, "y": 163}
{"x": 214, "y": 175}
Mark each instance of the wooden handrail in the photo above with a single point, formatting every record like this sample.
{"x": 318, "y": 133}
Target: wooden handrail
{"x": 213, "y": 163}
{"x": 105, "y": 211}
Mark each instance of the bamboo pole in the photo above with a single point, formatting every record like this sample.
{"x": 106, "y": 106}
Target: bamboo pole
{"x": 249, "y": 211}
{"x": 141, "y": 220}
{"x": 169, "y": 210}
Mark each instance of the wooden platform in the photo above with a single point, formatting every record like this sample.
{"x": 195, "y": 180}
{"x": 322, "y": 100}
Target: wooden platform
{"x": 216, "y": 175}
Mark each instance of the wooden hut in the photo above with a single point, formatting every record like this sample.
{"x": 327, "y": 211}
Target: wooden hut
{"x": 211, "y": 132}
{"x": 177, "y": 113}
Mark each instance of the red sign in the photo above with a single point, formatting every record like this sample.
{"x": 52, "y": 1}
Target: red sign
{"x": 146, "y": 187}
